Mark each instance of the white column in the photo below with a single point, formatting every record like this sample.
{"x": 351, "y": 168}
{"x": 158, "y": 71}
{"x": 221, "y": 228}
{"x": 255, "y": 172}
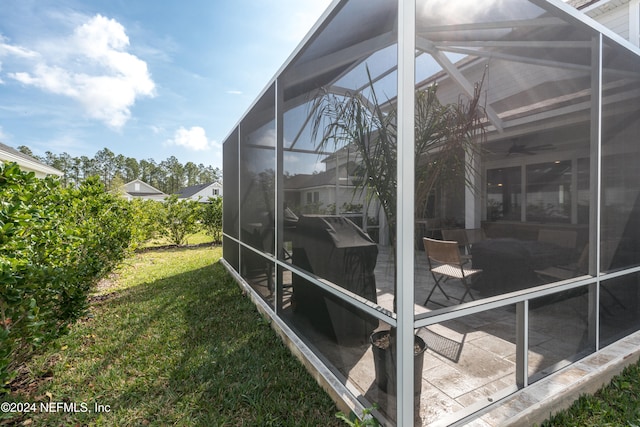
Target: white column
{"x": 634, "y": 22}
{"x": 405, "y": 220}
{"x": 473, "y": 192}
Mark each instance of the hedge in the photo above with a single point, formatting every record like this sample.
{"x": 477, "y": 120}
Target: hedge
{"x": 55, "y": 244}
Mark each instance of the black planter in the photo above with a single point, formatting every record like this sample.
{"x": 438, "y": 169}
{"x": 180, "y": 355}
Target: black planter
{"x": 384, "y": 360}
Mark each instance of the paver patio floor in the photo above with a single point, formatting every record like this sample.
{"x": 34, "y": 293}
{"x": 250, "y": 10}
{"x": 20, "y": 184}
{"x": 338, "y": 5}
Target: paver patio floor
{"x": 469, "y": 362}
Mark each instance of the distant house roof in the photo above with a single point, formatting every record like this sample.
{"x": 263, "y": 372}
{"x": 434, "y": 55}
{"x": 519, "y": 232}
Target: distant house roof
{"x": 305, "y": 181}
{"x": 26, "y": 162}
{"x": 191, "y": 191}
{"x": 302, "y": 181}
{"x": 139, "y": 189}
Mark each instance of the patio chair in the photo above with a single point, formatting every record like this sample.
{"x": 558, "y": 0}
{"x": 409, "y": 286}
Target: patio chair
{"x": 445, "y": 263}
{"x": 475, "y": 235}
{"x": 569, "y": 271}
{"x": 563, "y": 238}
{"x": 564, "y": 272}
{"x": 459, "y": 235}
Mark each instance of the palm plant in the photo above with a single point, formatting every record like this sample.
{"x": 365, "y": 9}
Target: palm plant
{"x": 447, "y": 136}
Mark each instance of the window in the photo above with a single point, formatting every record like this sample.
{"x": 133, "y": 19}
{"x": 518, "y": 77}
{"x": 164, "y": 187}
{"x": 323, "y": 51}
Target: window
{"x": 549, "y": 192}
{"x": 504, "y": 194}
{"x": 313, "y": 197}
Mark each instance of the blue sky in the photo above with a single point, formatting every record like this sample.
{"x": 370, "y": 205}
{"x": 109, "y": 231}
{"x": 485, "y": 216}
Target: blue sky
{"x": 145, "y": 79}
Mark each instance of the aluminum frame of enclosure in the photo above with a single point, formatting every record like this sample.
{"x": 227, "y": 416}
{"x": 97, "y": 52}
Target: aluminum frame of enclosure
{"x": 242, "y": 255}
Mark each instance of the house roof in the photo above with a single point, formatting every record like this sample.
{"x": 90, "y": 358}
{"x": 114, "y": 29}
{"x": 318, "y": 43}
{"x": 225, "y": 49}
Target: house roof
{"x": 594, "y": 8}
{"x": 10, "y": 154}
{"x": 153, "y": 191}
{"x": 303, "y": 181}
{"x": 142, "y": 193}
{"x": 194, "y": 189}
{"x": 579, "y": 4}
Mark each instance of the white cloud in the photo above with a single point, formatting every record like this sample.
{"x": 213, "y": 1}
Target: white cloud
{"x": 157, "y": 129}
{"x": 234, "y": 92}
{"x": 9, "y": 50}
{"x": 92, "y": 67}
{"x": 194, "y": 138}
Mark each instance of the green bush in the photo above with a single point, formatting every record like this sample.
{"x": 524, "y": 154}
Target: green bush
{"x": 147, "y": 220}
{"x": 180, "y": 218}
{"x": 55, "y": 244}
{"x": 211, "y": 218}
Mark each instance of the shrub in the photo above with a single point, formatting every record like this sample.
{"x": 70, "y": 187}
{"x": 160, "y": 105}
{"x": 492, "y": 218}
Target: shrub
{"x": 146, "y": 220}
{"x": 55, "y": 244}
{"x": 21, "y": 222}
{"x": 180, "y": 218}
{"x": 211, "y": 218}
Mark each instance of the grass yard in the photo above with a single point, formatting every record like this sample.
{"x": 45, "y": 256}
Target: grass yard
{"x": 617, "y": 404}
{"x": 171, "y": 340}
{"x": 198, "y": 238}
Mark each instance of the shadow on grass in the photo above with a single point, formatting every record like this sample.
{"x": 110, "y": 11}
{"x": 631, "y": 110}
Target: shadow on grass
{"x": 190, "y": 349}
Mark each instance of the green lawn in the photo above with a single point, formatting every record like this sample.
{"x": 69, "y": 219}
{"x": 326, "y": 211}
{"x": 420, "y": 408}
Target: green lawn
{"x": 617, "y": 404}
{"x": 198, "y": 238}
{"x": 172, "y": 341}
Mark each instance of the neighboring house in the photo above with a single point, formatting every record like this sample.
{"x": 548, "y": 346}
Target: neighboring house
{"x": 201, "y": 192}
{"x": 26, "y": 162}
{"x": 621, "y": 16}
{"x": 317, "y": 192}
{"x": 334, "y": 191}
{"x": 138, "y": 189}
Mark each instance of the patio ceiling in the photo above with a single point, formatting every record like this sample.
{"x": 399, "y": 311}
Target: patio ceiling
{"x": 342, "y": 52}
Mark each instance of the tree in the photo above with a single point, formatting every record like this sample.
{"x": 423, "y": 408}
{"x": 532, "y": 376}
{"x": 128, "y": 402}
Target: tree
{"x": 25, "y": 150}
{"x": 105, "y": 161}
{"x": 191, "y": 172}
{"x": 148, "y": 215}
{"x": 206, "y": 175}
{"x": 179, "y": 218}
{"x": 88, "y": 167}
{"x": 117, "y": 185}
{"x": 145, "y": 170}
{"x": 446, "y": 135}
{"x": 174, "y": 173}
{"x": 211, "y": 218}
{"x": 119, "y": 167}
{"x": 168, "y": 176}
{"x": 157, "y": 176}
{"x": 131, "y": 169}
{"x": 64, "y": 163}
{"x": 74, "y": 170}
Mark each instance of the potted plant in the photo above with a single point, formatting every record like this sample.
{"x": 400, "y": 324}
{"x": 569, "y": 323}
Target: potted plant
{"x": 446, "y": 136}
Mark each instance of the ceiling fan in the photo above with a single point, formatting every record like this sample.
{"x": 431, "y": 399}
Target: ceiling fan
{"x": 524, "y": 149}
